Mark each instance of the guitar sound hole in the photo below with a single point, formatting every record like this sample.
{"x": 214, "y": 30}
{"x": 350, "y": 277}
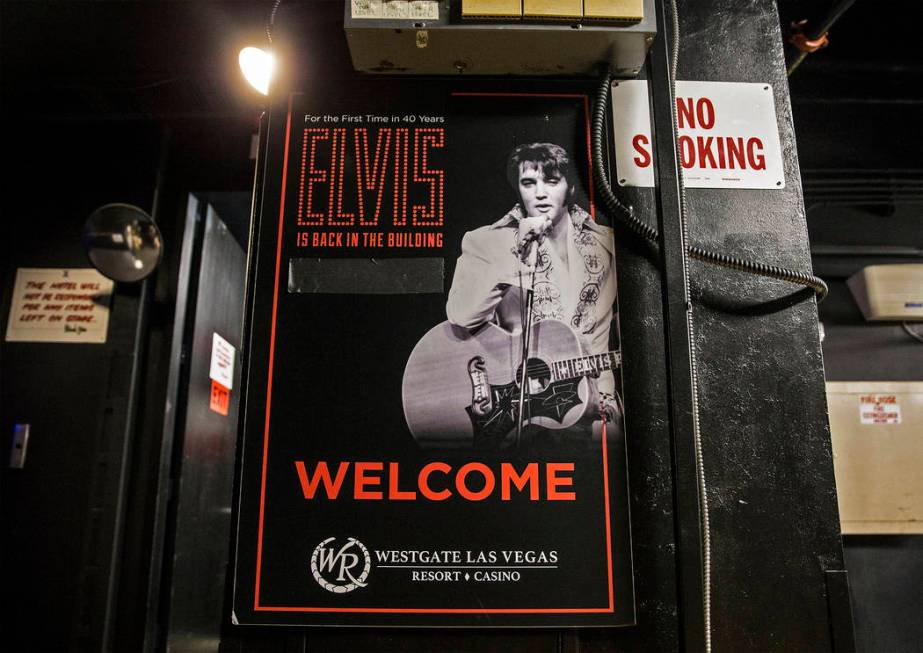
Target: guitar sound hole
{"x": 539, "y": 375}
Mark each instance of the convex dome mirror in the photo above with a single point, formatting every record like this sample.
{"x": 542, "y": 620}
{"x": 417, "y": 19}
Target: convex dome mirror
{"x": 123, "y": 242}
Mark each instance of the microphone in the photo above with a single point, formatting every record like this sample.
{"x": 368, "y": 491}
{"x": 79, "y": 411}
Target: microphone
{"x": 526, "y": 250}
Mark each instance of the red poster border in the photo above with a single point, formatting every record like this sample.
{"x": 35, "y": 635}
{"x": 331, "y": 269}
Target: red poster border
{"x": 272, "y": 344}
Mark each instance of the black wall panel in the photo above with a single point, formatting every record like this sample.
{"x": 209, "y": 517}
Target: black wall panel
{"x": 59, "y": 513}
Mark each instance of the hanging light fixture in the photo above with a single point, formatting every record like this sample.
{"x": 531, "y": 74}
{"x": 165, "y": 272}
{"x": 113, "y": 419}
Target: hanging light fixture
{"x": 259, "y": 65}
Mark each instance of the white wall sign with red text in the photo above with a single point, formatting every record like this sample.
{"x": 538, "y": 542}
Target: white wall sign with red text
{"x": 728, "y": 137}
{"x": 879, "y": 409}
{"x": 221, "y": 372}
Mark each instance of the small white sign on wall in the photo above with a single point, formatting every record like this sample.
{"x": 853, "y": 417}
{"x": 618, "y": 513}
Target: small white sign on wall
{"x": 879, "y": 409}
{"x": 728, "y": 136}
{"x": 59, "y": 305}
{"x": 222, "y": 362}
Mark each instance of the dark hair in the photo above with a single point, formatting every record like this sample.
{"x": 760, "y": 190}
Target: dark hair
{"x": 547, "y": 157}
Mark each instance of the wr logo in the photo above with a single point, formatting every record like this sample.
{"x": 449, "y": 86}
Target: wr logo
{"x": 341, "y": 569}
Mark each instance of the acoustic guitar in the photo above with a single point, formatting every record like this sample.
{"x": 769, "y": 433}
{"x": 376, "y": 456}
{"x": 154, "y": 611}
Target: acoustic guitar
{"x": 461, "y": 389}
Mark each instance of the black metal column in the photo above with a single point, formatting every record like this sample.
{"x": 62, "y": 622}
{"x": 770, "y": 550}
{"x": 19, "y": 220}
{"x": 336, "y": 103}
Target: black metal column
{"x": 676, "y": 309}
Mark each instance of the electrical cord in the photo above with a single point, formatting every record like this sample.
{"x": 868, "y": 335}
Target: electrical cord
{"x": 622, "y": 212}
{"x": 271, "y": 21}
{"x": 625, "y": 214}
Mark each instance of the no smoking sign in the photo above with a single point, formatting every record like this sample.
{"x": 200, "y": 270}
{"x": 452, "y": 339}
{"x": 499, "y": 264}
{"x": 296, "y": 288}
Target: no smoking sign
{"x": 728, "y": 136}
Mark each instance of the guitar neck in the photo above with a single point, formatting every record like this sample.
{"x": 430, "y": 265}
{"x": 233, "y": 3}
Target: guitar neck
{"x": 592, "y": 365}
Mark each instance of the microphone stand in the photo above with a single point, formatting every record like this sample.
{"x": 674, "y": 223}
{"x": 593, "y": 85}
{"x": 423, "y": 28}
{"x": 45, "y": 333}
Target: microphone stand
{"x": 527, "y": 342}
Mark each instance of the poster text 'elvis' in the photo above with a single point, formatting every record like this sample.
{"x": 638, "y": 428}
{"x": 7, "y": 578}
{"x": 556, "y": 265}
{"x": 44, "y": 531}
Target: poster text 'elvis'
{"x": 367, "y": 187}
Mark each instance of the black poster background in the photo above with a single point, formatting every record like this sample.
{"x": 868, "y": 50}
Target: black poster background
{"x": 332, "y": 366}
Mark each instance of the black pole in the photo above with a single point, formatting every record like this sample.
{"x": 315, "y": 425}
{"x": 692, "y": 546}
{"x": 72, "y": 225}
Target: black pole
{"x": 139, "y": 348}
{"x": 687, "y": 514}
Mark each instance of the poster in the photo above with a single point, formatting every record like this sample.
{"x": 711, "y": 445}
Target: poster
{"x": 59, "y": 305}
{"x": 384, "y": 480}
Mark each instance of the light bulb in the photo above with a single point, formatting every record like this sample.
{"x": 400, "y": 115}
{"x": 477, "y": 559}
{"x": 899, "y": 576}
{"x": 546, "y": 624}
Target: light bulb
{"x": 257, "y": 66}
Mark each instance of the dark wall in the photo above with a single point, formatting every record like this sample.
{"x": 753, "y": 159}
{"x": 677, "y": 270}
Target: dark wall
{"x": 856, "y": 108}
{"x": 884, "y": 575}
{"x": 856, "y": 350}
{"x": 76, "y": 522}
{"x": 881, "y": 568}
{"x": 58, "y": 512}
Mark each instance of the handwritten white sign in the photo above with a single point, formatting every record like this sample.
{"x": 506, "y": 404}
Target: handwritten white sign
{"x": 59, "y": 305}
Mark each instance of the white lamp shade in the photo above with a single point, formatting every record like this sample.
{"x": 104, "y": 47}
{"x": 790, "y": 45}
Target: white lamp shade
{"x": 257, "y": 66}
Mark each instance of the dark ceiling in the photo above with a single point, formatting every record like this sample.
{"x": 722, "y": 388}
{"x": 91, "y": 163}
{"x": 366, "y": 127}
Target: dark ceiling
{"x": 167, "y": 58}
{"x": 127, "y": 59}
{"x": 872, "y": 51}
{"x": 855, "y": 103}
{"x": 856, "y": 107}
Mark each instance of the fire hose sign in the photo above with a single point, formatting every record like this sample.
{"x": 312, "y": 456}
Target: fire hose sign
{"x": 728, "y": 135}
{"x": 879, "y": 409}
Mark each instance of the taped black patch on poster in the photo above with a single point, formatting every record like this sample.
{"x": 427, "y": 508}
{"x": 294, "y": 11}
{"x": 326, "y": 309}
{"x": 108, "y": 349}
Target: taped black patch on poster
{"x": 404, "y": 463}
{"x": 366, "y": 276}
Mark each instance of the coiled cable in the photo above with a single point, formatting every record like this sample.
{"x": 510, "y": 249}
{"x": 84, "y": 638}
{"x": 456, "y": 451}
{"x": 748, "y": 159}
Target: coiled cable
{"x": 625, "y": 214}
